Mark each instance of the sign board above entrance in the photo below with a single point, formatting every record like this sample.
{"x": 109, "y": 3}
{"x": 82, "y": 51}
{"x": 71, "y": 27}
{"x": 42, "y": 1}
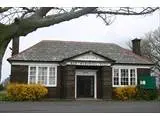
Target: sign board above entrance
{"x": 87, "y": 63}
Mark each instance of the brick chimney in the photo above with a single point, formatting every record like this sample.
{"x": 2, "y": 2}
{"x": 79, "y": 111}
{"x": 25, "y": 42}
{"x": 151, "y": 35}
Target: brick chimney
{"x": 15, "y": 46}
{"x": 136, "y": 47}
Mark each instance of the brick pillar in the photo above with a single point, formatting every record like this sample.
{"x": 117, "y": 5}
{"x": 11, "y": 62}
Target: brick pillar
{"x": 99, "y": 84}
{"x": 69, "y": 82}
{"x": 106, "y": 76}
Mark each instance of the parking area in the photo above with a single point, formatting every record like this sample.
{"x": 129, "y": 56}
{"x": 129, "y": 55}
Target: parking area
{"x": 81, "y": 106}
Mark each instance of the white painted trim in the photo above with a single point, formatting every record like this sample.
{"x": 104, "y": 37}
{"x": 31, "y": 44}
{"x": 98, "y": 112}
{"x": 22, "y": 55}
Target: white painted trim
{"x": 86, "y": 63}
{"x": 126, "y": 67}
{"x": 28, "y": 75}
{"x": 55, "y": 85}
{"x": 35, "y": 63}
{"x": 112, "y": 77}
{"x": 136, "y": 81}
{"x": 37, "y": 70}
{"x": 124, "y": 86}
{"x": 47, "y": 75}
{"x": 130, "y": 66}
{"x": 119, "y": 71}
{"x": 119, "y": 68}
{"x": 85, "y": 72}
{"x": 129, "y": 77}
{"x": 56, "y": 76}
{"x": 75, "y": 86}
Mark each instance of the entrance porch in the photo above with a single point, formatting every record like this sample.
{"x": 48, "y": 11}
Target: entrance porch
{"x": 87, "y": 82}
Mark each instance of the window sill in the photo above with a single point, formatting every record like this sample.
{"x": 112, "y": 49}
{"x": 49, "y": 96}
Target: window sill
{"x": 50, "y": 85}
{"x": 124, "y": 85}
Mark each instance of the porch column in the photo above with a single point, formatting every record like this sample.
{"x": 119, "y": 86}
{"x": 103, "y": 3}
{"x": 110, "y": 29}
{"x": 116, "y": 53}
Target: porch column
{"x": 106, "y": 75}
{"x": 69, "y": 82}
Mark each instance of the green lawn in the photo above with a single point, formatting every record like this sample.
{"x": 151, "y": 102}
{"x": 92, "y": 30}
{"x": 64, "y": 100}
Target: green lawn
{"x": 159, "y": 98}
{"x": 3, "y": 95}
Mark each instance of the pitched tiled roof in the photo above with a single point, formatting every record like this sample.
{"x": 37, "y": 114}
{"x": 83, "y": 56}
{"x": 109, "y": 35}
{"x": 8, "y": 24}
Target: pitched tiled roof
{"x": 59, "y": 50}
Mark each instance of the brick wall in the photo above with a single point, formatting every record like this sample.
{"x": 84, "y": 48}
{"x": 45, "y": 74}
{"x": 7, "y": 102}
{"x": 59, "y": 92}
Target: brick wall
{"x": 19, "y": 73}
{"x": 69, "y": 82}
{"x": 106, "y": 76}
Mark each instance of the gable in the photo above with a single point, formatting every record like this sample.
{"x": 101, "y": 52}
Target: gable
{"x": 89, "y": 57}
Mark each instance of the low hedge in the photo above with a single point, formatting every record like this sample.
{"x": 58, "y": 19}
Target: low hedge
{"x": 23, "y": 92}
{"x": 147, "y": 94}
{"x": 134, "y": 93}
{"x": 125, "y": 93}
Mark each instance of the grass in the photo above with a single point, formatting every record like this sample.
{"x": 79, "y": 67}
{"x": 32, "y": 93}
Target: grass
{"x": 159, "y": 98}
{"x": 3, "y": 96}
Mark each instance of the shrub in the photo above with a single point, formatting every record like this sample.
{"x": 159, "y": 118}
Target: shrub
{"x": 22, "y": 92}
{"x": 148, "y": 94}
{"x": 125, "y": 93}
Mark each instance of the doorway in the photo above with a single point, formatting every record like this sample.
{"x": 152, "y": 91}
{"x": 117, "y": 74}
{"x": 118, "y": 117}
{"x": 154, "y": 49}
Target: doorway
{"x": 85, "y": 83}
{"x": 85, "y": 86}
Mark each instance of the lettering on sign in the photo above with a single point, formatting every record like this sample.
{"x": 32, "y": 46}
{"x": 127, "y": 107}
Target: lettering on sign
{"x": 87, "y": 63}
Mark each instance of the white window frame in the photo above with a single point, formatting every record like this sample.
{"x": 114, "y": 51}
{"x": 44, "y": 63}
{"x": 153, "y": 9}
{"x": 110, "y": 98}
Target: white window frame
{"x": 114, "y": 76}
{"x": 124, "y": 67}
{"x": 132, "y": 77}
{"x": 43, "y": 65}
{"x": 125, "y": 76}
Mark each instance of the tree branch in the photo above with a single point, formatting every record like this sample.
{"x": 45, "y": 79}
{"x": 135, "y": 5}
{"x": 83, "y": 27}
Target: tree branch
{"x": 28, "y": 25}
{"x": 126, "y": 11}
{"x": 42, "y": 12}
{"x": 4, "y": 9}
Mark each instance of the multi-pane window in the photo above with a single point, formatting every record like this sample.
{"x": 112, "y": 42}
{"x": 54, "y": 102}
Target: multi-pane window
{"x": 124, "y": 76}
{"x": 52, "y": 75}
{"x": 42, "y": 75}
{"x": 132, "y": 77}
{"x": 116, "y": 77}
{"x": 32, "y": 76}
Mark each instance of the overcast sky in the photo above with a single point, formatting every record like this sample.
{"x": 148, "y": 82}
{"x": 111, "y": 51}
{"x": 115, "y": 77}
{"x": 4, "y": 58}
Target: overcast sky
{"x": 90, "y": 28}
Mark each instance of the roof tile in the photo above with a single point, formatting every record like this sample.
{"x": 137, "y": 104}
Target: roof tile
{"x": 59, "y": 50}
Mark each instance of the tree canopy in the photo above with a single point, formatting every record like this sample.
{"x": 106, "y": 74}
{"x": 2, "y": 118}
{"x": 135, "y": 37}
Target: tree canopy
{"x": 20, "y": 21}
{"x": 151, "y": 47}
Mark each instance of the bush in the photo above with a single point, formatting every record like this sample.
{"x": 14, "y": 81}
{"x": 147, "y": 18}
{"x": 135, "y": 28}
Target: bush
{"x": 125, "y": 93}
{"x": 23, "y": 92}
{"x": 1, "y": 87}
{"x": 148, "y": 94}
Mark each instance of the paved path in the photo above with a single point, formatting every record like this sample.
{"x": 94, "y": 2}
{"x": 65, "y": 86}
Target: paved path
{"x": 80, "y": 106}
